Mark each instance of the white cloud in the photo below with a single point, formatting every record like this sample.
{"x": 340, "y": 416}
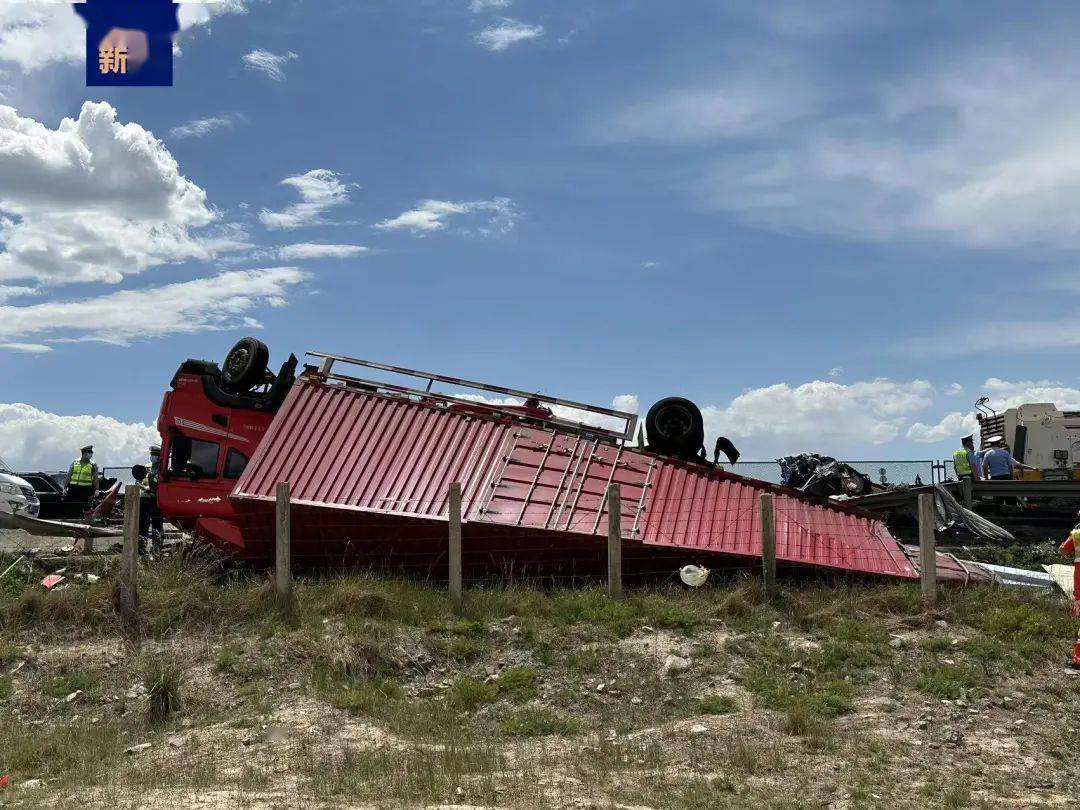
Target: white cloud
{"x": 319, "y": 189}
{"x": 224, "y": 301}
{"x": 36, "y": 34}
{"x": 269, "y": 64}
{"x": 952, "y": 426}
{"x": 836, "y": 371}
{"x": 27, "y": 348}
{"x": 507, "y": 33}
{"x": 201, "y": 127}
{"x": 313, "y": 250}
{"x": 818, "y": 416}
{"x": 627, "y": 403}
{"x": 954, "y": 389}
{"x": 33, "y": 439}
{"x": 1008, "y": 394}
{"x": 7, "y": 292}
{"x": 500, "y": 215}
{"x": 737, "y": 104}
{"x": 95, "y": 200}
{"x": 975, "y": 147}
{"x": 480, "y": 6}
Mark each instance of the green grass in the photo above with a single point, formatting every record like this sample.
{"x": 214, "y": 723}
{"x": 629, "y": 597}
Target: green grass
{"x": 517, "y": 684}
{"x": 63, "y": 685}
{"x": 949, "y": 681}
{"x": 468, "y": 694}
{"x": 163, "y": 681}
{"x": 537, "y": 722}
{"x": 5, "y": 689}
{"x": 718, "y": 704}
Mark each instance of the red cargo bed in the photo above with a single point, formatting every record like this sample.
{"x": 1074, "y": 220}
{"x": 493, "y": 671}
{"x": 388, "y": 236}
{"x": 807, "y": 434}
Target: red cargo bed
{"x": 369, "y": 474}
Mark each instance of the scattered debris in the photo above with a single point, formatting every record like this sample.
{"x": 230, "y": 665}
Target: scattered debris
{"x": 32, "y": 784}
{"x": 52, "y": 580}
{"x": 138, "y": 748}
{"x": 73, "y": 696}
{"x": 823, "y": 476}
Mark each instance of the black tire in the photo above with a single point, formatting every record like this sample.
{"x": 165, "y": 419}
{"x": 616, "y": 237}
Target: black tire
{"x": 674, "y": 425}
{"x": 245, "y": 364}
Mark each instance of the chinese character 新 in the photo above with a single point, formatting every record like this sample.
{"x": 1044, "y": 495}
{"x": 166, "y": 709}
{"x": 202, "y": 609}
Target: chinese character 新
{"x": 112, "y": 60}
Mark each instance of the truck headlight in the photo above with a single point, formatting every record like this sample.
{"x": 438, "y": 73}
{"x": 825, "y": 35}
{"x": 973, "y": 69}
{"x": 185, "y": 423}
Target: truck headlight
{"x": 9, "y": 489}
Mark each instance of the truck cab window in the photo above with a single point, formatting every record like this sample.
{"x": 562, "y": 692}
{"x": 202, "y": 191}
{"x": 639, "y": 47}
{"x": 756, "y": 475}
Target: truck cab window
{"x": 235, "y": 462}
{"x": 193, "y": 457}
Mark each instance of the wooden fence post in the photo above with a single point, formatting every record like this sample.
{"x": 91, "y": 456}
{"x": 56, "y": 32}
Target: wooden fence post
{"x": 283, "y": 557}
{"x": 128, "y": 593}
{"x": 967, "y": 491}
{"x": 768, "y": 544}
{"x": 928, "y": 548}
{"x": 614, "y": 542}
{"x": 454, "y": 554}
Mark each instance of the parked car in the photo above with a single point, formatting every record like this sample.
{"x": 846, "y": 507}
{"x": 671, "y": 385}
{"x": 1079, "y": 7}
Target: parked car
{"x": 49, "y": 489}
{"x": 17, "y": 496}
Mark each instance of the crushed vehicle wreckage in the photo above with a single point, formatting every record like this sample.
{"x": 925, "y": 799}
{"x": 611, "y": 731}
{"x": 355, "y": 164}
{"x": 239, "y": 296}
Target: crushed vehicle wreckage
{"x": 369, "y": 463}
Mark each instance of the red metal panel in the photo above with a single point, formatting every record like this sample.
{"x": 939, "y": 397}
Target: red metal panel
{"x": 558, "y": 483}
{"x": 350, "y": 449}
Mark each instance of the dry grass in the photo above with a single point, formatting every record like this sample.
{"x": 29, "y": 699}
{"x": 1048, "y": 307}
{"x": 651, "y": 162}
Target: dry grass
{"x": 375, "y": 690}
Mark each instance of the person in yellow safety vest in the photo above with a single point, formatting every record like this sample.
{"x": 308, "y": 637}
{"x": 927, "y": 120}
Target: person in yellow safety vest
{"x": 1071, "y": 547}
{"x": 965, "y": 461}
{"x": 82, "y": 478}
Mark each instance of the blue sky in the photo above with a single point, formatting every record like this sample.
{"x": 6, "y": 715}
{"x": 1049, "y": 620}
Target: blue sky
{"x": 833, "y": 225}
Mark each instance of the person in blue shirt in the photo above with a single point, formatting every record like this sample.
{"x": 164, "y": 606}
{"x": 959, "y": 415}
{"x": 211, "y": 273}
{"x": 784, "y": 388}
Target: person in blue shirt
{"x": 998, "y": 463}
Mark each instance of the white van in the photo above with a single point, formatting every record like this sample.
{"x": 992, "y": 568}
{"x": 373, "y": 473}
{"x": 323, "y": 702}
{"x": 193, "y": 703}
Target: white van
{"x": 16, "y": 494}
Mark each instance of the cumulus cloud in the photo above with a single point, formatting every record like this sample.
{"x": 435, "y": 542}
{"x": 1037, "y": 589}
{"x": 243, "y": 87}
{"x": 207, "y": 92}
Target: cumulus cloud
{"x": 95, "y": 200}
{"x": 201, "y": 127}
{"x": 225, "y": 301}
{"x": 36, "y": 34}
{"x": 506, "y": 33}
{"x": 319, "y": 190}
{"x": 480, "y": 6}
{"x": 33, "y": 439}
{"x": 269, "y": 64}
{"x": 951, "y": 426}
{"x": 499, "y": 216}
{"x": 818, "y": 416}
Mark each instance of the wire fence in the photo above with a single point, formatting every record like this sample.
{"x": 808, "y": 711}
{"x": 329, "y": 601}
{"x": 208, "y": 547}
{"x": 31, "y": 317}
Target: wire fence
{"x": 925, "y": 471}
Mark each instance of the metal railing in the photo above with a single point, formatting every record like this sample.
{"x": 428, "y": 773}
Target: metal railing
{"x": 326, "y": 368}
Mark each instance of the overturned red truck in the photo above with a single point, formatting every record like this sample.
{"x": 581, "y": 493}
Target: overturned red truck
{"x": 370, "y": 462}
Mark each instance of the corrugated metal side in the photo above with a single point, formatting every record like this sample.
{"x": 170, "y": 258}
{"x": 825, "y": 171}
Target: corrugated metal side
{"x": 558, "y": 482}
{"x": 714, "y": 511}
{"x": 354, "y": 450}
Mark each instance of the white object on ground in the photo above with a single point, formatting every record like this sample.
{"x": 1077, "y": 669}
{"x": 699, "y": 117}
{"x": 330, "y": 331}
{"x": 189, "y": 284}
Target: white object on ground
{"x": 693, "y": 575}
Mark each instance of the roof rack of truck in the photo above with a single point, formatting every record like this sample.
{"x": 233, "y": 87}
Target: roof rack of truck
{"x": 628, "y": 420}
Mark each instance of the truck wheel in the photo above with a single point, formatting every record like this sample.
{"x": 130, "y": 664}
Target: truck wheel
{"x": 674, "y": 425}
{"x": 245, "y": 364}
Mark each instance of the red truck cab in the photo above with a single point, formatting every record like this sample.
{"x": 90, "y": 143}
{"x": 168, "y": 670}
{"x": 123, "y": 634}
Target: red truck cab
{"x": 210, "y": 423}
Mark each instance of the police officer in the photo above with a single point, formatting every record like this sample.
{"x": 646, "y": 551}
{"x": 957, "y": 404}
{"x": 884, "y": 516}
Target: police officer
{"x": 151, "y": 524}
{"x": 965, "y": 461}
{"x": 81, "y": 481}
